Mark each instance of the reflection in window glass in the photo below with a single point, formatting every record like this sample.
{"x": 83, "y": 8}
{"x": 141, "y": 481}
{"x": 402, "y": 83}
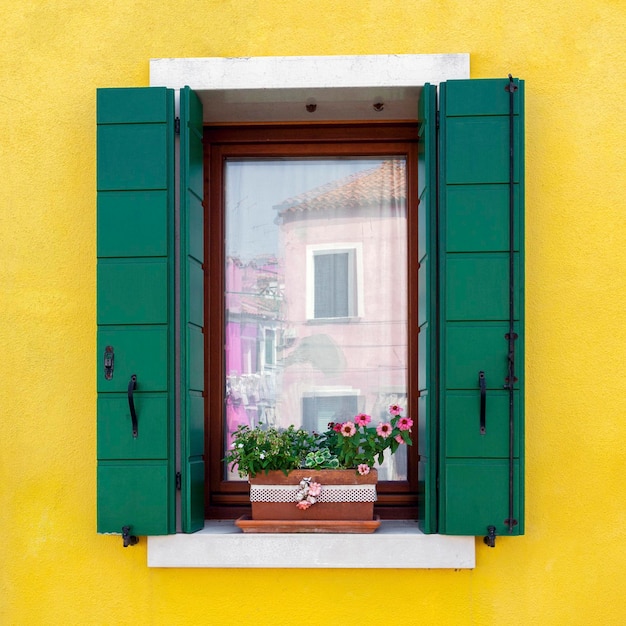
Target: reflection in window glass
{"x": 333, "y": 284}
{"x": 316, "y": 293}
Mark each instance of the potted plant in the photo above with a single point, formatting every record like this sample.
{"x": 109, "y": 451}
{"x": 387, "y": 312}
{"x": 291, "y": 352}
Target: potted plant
{"x": 302, "y": 481}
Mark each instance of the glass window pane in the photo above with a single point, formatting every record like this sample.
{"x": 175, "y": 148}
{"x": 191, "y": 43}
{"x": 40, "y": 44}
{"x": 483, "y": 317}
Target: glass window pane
{"x": 316, "y": 293}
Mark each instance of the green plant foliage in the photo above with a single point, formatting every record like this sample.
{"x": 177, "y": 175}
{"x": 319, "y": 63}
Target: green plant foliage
{"x": 256, "y": 450}
{"x": 321, "y": 459}
{"x": 350, "y": 445}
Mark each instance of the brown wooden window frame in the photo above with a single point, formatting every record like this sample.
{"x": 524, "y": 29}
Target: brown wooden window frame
{"x": 229, "y": 499}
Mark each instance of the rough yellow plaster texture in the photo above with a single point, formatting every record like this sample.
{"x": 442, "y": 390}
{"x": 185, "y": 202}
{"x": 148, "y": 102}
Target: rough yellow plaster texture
{"x": 570, "y": 568}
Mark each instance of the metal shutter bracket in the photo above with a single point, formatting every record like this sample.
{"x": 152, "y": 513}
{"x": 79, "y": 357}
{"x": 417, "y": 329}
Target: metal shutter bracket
{"x": 511, "y": 336}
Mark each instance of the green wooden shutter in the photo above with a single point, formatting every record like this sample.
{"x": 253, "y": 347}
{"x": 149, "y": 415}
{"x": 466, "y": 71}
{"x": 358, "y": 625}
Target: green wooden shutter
{"x": 427, "y": 310}
{"x": 135, "y": 309}
{"x": 192, "y": 311}
{"x": 474, "y": 307}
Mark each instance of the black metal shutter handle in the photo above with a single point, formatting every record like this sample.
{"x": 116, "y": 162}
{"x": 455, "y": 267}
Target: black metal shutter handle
{"x": 132, "y": 385}
{"x": 482, "y": 383}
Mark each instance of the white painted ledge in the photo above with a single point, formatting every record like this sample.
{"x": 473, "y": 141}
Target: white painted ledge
{"x": 396, "y": 544}
{"x": 308, "y": 72}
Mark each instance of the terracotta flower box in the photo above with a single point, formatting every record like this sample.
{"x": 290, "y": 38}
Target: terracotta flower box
{"x": 345, "y": 502}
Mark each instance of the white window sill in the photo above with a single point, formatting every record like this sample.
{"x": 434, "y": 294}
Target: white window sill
{"x": 396, "y": 544}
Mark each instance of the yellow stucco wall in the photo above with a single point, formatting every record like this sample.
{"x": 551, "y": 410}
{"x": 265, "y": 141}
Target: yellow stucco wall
{"x": 570, "y": 568}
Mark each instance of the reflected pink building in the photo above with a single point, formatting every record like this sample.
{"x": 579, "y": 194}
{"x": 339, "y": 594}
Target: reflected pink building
{"x": 321, "y": 334}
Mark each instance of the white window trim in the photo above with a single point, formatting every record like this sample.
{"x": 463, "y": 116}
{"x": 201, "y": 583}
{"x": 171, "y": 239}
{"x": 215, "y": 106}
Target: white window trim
{"x": 356, "y": 273}
{"x": 266, "y": 89}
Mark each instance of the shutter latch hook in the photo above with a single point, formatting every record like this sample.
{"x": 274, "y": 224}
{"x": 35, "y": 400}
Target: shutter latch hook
{"x": 129, "y": 540}
{"x": 490, "y": 538}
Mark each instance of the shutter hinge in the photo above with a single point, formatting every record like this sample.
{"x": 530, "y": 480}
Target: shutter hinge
{"x": 490, "y": 537}
{"x": 127, "y": 538}
{"x": 177, "y": 125}
{"x": 179, "y": 481}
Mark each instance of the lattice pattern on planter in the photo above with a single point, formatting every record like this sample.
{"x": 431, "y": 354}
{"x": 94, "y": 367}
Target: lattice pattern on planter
{"x": 329, "y": 493}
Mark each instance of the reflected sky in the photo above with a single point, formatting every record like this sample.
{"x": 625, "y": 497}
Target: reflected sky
{"x": 254, "y": 187}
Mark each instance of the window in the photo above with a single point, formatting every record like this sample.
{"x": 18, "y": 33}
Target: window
{"x": 151, "y": 266}
{"x": 269, "y": 347}
{"x": 320, "y": 407}
{"x": 332, "y": 282}
{"x": 296, "y": 218}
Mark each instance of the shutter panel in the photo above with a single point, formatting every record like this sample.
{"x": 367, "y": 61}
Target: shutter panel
{"x": 427, "y": 311}
{"x": 135, "y": 309}
{"x": 192, "y": 311}
{"x": 474, "y": 307}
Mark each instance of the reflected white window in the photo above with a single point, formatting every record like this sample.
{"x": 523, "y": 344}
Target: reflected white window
{"x": 269, "y": 347}
{"x": 334, "y": 281}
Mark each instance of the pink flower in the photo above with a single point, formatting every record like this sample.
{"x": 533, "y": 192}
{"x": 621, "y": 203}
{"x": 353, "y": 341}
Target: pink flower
{"x": 399, "y": 439}
{"x": 337, "y": 427}
{"x": 363, "y": 469}
{"x": 405, "y": 423}
{"x": 348, "y": 429}
{"x": 394, "y": 409}
{"x": 315, "y": 489}
{"x": 303, "y": 505}
{"x": 384, "y": 430}
{"x": 362, "y": 419}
